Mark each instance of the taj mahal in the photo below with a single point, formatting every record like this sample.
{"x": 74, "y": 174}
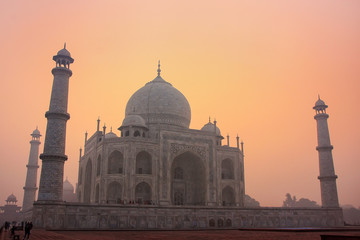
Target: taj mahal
{"x": 158, "y": 159}
{"x": 158, "y": 173}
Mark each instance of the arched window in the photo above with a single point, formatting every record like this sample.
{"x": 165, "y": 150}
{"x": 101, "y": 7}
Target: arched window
{"x": 227, "y": 169}
{"x": 114, "y": 192}
{"x": 87, "y": 182}
{"x": 220, "y": 222}
{"x": 98, "y": 166}
{"x": 80, "y": 175}
{"x": 115, "y": 163}
{"x": 143, "y": 193}
{"x": 179, "y": 173}
{"x": 179, "y": 197}
{"x": 143, "y": 163}
{"x": 228, "y": 222}
{"x": 136, "y": 133}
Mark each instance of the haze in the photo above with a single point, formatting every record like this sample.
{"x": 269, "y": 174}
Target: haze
{"x": 255, "y": 66}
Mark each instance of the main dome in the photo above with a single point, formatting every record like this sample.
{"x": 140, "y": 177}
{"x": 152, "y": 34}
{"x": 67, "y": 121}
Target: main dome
{"x": 158, "y": 102}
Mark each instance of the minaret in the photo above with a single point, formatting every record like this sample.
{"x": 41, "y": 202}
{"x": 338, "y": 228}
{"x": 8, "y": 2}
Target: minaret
{"x": 53, "y": 157}
{"x": 329, "y": 196}
{"x": 32, "y": 167}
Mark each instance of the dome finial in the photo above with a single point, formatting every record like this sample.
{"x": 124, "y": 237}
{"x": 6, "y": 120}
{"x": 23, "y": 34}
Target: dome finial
{"x": 209, "y": 119}
{"x": 64, "y": 45}
{"x": 158, "y": 70}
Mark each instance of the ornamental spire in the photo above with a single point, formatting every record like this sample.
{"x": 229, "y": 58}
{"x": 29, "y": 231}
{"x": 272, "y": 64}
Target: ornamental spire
{"x": 158, "y": 70}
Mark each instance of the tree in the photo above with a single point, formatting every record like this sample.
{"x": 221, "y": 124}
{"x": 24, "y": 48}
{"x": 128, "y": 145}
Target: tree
{"x": 303, "y": 202}
{"x": 289, "y": 201}
{"x": 351, "y": 215}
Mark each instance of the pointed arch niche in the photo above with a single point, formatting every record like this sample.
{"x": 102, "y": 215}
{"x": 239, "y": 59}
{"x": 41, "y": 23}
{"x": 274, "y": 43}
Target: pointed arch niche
{"x": 228, "y": 196}
{"x": 227, "y": 169}
{"x": 114, "y": 193}
{"x": 143, "y": 163}
{"x": 115, "y": 162}
{"x": 143, "y": 193}
{"x": 87, "y": 181}
{"x": 188, "y": 180}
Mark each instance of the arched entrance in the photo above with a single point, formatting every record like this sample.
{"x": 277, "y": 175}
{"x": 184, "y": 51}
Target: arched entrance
{"x": 87, "y": 182}
{"x": 228, "y": 196}
{"x": 113, "y": 194}
{"x": 143, "y": 193}
{"x": 188, "y": 180}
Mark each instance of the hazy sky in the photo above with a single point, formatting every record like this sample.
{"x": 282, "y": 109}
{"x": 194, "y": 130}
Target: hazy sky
{"x": 257, "y": 66}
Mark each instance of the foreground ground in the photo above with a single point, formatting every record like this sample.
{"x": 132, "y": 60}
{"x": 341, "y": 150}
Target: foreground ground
{"x": 39, "y": 234}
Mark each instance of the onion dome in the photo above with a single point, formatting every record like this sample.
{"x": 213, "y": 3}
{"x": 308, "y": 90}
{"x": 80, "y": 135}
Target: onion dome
{"x": 320, "y": 104}
{"x": 63, "y": 55}
{"x": 11, "y": 198}
{"x": 67, "y": 186}
{"x": 110, "y": 135}
{"x": 64, "y": 52}
{"x": 158, "y": 102}
{"x": 133, "y": 121}
{"x": 36, "y": 132}
{"x": 209, "y": 127}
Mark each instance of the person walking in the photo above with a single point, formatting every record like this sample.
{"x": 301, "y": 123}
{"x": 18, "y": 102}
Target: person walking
{"x": 28, "y": 227}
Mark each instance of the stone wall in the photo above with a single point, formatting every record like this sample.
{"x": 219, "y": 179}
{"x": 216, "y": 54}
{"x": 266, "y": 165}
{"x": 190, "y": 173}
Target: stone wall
{"x": 91, "y": 216}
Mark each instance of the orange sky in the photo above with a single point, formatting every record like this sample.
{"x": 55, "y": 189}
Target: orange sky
{"x": 257, "y": 66}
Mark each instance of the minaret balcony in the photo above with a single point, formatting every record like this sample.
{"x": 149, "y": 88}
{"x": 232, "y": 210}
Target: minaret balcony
{"x": 324, "y": 148}
{"x": 327, "y": 178}
{"x": 61, "y": 70}
{"x": 57, "y": 115}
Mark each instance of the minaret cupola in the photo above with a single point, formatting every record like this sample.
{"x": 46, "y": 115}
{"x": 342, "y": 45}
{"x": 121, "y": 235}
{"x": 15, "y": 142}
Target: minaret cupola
{"x": 36, "y": 135}
{"x": 63, "y": 58}
{"x": 320, "y": 106}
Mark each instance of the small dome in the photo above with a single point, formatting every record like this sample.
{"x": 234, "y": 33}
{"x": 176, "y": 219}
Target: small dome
{"x": 36, "y": 132}
{"x": 209, "y": 127}
{"x": 67, "y": 186}
{"x": 133, "y": 120}
{"x": 64, "y": 52}
{"x": 320, "y": 102}
{"x": 320, "y": 105}
{"x": 11, "y": 198}
{"x": 111, "y": 135}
